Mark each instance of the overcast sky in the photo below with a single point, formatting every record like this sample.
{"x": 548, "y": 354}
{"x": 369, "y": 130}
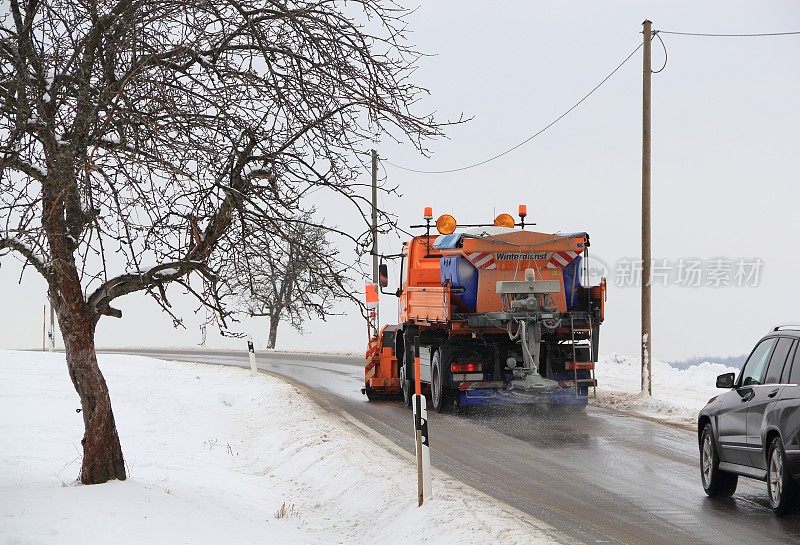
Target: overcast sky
{"x": 726, "y": 151}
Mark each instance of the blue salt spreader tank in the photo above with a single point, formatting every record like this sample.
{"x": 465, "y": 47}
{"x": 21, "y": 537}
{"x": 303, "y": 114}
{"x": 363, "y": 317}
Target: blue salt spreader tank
{"x": 463, "y": 277}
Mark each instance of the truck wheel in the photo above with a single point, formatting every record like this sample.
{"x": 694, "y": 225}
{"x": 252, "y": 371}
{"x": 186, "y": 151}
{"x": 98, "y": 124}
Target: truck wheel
{"x": 780, "y": 485}
{"x": 405, "y": 385}
{"x": 715, "y": 481}
{"x": 406, "y": 378}
{"x": 440, "y": 393}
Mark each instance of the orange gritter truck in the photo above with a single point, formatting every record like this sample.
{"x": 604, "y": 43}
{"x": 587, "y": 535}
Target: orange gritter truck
{"x": 496, "y": 314}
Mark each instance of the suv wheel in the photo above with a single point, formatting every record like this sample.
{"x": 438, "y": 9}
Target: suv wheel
{"x": 780, "y": 485}
{"x": 715, "y": 481}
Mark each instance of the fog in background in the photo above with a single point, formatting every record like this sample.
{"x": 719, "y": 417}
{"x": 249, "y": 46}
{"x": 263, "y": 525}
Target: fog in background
{"x": 726, "y": 136}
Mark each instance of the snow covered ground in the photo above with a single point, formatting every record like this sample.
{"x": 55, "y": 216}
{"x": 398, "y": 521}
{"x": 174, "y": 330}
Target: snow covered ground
{"x": 217, "y": 455}
{"x": 678, "y": 395}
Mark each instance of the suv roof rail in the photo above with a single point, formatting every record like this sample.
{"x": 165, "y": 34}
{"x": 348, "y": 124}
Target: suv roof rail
{"x": 786, "y": 327}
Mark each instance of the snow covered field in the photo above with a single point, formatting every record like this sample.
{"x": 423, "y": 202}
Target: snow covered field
{"x": 217, "y": 455}
{"x": 678, "y": 395}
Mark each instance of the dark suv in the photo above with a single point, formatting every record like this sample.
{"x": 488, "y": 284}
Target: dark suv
{"x": 754, "y": 429}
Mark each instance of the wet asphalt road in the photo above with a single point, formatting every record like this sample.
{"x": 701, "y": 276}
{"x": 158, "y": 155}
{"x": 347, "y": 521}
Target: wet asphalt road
{"x": 597, "y": 477}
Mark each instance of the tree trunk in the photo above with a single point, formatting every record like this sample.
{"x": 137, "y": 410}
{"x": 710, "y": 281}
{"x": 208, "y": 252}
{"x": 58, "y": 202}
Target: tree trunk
{"x": 102, "y": 452}
{"x": 273, "y": 330}
{"x": 62, "y": 221}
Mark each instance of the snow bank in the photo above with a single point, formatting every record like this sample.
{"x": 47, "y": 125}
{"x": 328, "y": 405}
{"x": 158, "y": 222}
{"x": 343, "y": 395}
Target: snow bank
{"x": 678, "y": 394}
{"x": 217, "y": 455}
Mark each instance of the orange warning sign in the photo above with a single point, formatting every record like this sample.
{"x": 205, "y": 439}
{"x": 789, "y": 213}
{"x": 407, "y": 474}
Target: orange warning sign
{"x": 371, "y": 293}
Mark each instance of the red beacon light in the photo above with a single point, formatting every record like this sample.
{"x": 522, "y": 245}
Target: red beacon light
{"x": 523, "y": 211}
{"x": 427, "y": 213}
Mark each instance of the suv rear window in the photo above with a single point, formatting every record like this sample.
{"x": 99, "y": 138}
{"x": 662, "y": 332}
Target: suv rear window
{"x": 773, "y": 375}
{"x": 754, "y": 368}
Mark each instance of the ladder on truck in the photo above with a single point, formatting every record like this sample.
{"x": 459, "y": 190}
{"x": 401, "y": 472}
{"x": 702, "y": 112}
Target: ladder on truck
{"x": 583, "y": 355}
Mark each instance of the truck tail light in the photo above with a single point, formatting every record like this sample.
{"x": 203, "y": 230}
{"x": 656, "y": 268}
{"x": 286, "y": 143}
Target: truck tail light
{"x": 580, "y": 365}
{"x": 466, "y": 368}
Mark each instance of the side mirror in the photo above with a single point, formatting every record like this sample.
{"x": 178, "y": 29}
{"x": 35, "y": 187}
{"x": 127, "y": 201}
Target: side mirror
{"x": 383, "y": 275}
{"x": 726, "y": 380}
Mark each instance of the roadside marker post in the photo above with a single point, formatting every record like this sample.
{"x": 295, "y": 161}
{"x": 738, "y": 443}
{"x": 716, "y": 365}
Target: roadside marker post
{"x": 51, "y": 335}
{"x": 422, "y": 446}
{"x": 252, "y": 352}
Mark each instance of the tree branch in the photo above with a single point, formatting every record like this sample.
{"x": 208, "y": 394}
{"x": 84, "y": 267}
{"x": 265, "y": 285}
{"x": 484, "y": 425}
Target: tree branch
{"x": 100, "y": 299}
{"x": 14, "y": 243}
{"x": 14, "y": 162}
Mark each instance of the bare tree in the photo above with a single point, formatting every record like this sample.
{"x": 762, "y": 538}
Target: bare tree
{"x": 287, "y": 282}
{"x": 141, "y": 144}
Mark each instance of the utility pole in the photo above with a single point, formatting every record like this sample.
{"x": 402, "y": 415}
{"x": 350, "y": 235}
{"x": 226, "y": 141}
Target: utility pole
{"x": 375, "y": 274}
{"x": 647, "y": 338}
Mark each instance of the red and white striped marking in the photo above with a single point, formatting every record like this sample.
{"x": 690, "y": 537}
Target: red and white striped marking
{"x": 482, "y": 260}
{"x": 561, "y": 259}
{"x": 485, "y": 260}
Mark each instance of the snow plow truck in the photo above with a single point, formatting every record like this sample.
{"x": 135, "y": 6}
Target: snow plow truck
{"x": 496, "y": 314}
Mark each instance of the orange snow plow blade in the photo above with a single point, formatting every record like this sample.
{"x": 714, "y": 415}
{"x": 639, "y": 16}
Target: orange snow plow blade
{"x": 380, "y": 370}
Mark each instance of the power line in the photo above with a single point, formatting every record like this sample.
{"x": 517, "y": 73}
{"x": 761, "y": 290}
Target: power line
{"x": 666, "y": 55}
{"x": 595, "y": 88}
{"x": 540, "y": 131}
{"x": 706, "y": 34}
{"x": 657, "y": 34}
